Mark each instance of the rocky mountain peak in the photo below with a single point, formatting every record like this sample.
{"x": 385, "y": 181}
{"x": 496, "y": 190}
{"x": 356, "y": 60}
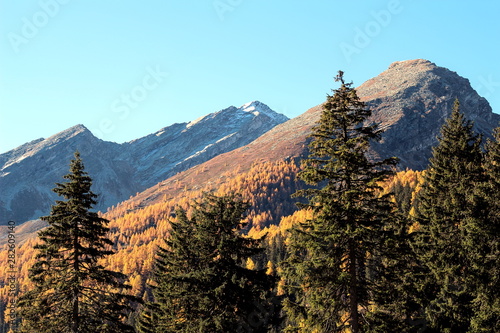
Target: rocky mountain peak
{"x": 416, "y": 63}
{"x": 73, "y": 134}
{"x": 182, "y": 146}
{"x": 75, "y": 130}
{"x": 411, "y": 101}
{"x": 234, "y": 115}
{"x": 258, "y": 108}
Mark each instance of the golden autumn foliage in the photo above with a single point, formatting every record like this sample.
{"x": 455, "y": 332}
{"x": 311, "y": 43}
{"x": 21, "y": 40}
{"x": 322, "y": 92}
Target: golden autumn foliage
{"x": 137, "y": 231}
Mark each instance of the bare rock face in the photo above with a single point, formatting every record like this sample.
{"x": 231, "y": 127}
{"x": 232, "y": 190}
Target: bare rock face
{"x": 29, "y": 173}
{"x": 178, "y": 147}
{"x": 411, "y": 101}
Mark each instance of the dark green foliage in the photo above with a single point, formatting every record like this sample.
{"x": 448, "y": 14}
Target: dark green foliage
{"x": 201, "y": 284}
{"x": 403, "y": 197}
{"x": 486, "y": 261}
{"x": 397, "y": 298}
{"x": 453, "y": 219}
{"x": 72, "y": 291}
{"x": 275, "y": 249}
{"x": 336, "y": 258}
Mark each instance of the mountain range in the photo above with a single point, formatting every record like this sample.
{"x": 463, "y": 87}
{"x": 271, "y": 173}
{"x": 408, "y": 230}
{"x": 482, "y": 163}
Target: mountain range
{"x": 410, "y": 101}
{"x": 29, "y": 172}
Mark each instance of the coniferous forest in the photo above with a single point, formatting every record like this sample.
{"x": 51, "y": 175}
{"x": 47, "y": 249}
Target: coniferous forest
{"x": 331, "y": 242}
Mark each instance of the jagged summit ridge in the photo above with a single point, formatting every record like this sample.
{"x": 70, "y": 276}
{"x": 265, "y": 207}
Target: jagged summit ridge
{"x": 184, "y": 145}
{"x": 28, "y": 173}
{"x": 31, "y": 148}
{"x": 255, "y": 108}
{"x": 74, "y": 130}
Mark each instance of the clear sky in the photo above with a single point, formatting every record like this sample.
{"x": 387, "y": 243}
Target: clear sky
{"x": 126, "y": 68}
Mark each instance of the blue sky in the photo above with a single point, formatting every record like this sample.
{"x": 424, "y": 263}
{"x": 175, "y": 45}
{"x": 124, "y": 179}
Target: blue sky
{"x": 125, "y": 68}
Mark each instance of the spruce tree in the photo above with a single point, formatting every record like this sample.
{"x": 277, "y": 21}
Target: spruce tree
{"x": 451, "y": 214}
{"x": 335, "y": 258}
{"x": 72, "y": 291}
{"x": 486, "y": 247}
{"x": 200, "y": 280}
{"x": 165, "y": 314}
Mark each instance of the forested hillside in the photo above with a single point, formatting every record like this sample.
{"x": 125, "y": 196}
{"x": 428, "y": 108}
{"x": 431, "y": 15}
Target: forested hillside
{"x": 137, "y": 232}
{"x": 331, "y": 236}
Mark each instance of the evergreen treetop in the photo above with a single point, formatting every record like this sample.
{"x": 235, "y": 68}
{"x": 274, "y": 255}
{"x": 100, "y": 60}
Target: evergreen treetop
{"x": 72, "y": 291}
{"x": 326, "y": 273}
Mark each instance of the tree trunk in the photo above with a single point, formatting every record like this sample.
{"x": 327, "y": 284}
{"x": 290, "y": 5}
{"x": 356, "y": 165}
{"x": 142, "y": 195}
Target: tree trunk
{"x": 353, "y": 289}
{"x": 76, "y": 268}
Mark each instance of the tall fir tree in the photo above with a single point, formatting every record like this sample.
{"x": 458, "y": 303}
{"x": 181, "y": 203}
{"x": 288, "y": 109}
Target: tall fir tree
{"x": 72, "y": 291}
{"x": 451, "y": 214}
{"x": 201, "y": 283}
{"x": 486, "y": 246}
{"x": 335, "y": 258}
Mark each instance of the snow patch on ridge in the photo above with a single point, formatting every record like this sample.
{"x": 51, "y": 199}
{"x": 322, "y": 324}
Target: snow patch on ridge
{"x": 196, "y": 121}
{"x": 207, "y": 147}
{"x": 258, "y": 108}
